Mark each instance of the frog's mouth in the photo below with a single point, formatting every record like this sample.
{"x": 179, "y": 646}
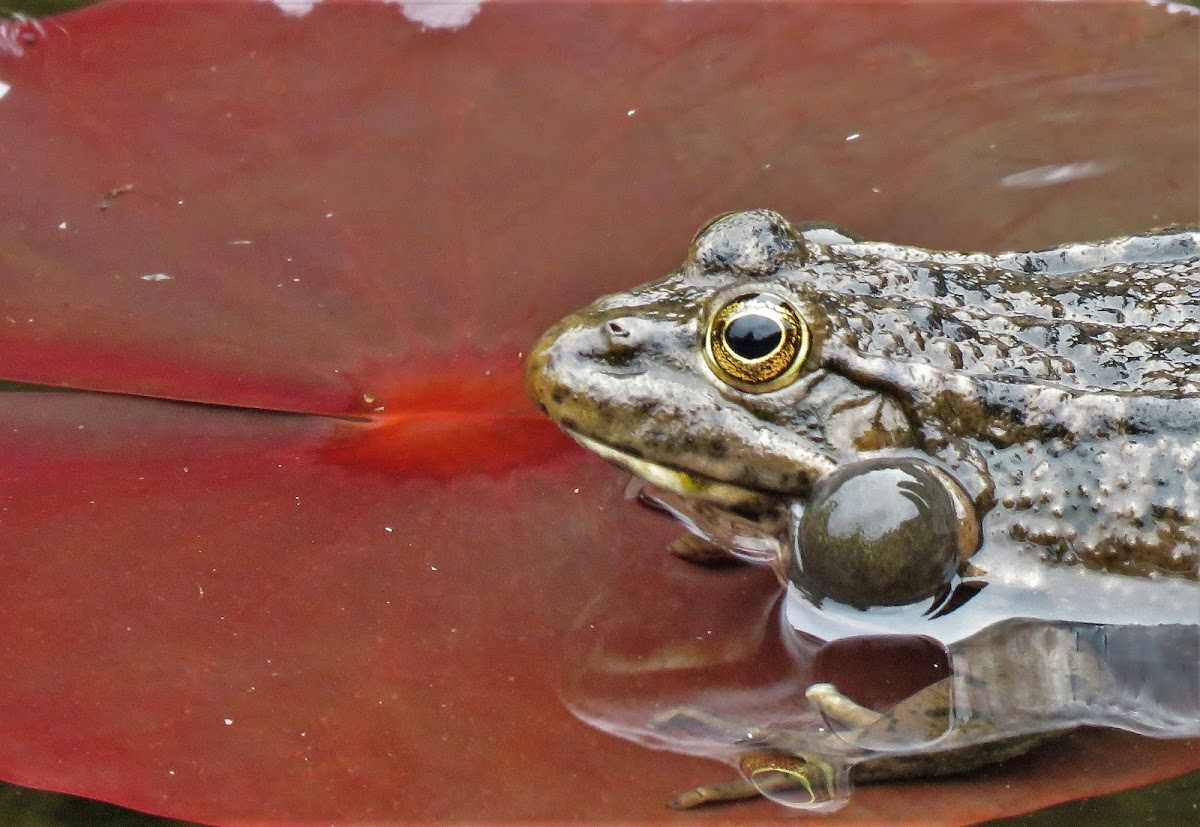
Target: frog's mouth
{"x": 684, "y": 483}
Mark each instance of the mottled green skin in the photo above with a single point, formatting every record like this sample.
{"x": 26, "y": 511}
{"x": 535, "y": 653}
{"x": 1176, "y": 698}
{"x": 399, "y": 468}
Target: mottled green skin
{"x": 1060, "y": 388}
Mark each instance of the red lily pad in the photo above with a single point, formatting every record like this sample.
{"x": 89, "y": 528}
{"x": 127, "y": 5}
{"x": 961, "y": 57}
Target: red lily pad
{"x": 238, "y": 616}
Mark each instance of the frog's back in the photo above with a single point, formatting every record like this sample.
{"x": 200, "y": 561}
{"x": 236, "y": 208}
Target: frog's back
{"x": 1121, "y": 317}
{"x": 1074, "y": 373}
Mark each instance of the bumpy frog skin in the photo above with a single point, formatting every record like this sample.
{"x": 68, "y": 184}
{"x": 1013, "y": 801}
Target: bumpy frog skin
{"x": 1055, "y": 394}
{"x": 1085, "y": 359}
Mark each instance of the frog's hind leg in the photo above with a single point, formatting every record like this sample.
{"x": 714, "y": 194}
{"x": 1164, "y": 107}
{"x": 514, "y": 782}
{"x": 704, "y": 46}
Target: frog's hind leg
{"x": 797, "y": 779}
{"x": 737, "y": 790}
{"x": 703, "y": 723}
{"x": 778, "y": 762}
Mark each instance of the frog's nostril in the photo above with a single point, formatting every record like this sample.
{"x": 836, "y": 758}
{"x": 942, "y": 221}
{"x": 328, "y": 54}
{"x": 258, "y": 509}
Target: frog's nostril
{"x": 620, "y": 346}
{"x": 616, "y": 330}
{"x": 617, "y": 336}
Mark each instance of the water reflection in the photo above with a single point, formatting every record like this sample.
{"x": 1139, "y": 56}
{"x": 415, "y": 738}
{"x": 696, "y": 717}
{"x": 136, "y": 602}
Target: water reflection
{"x": 801, "y": 719}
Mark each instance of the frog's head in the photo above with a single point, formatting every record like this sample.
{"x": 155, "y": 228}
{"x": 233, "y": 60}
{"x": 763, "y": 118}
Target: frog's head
{"x": 720, "y": 383}
{"x": 708, "y": 382}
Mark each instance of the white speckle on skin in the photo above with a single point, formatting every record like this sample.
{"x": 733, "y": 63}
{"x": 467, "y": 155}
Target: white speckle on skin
{"x": 854, "y": 136}
{"x": 4, "y": 87}
{"x": 152, "y": 276}
{"x": 62, "y": 225}
{"x": 229, "y": 722}
{"x": 631, "y": 112}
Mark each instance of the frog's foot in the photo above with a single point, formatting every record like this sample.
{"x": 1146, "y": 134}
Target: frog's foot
{"x": 797, "y": 779}
{"x": 703, "y": 552}
{"x": 782, "y": 764}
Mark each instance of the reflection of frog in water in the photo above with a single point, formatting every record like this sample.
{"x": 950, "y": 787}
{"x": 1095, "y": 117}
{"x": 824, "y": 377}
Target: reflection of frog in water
{"x": 898, "y": 428}
{"x": 1000, "y": 680}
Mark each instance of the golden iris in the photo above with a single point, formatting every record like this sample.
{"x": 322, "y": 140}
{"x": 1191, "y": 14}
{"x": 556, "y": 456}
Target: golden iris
{"x": 757, "y": 342}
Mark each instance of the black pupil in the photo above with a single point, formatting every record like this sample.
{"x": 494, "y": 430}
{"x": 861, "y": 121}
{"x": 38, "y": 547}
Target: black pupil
{"x": 753, "y": 336}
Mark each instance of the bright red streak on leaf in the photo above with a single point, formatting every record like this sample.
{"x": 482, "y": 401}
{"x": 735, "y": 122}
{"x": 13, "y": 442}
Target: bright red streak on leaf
{"x": 354, "y": 212}
{"x": 465, "y": 419}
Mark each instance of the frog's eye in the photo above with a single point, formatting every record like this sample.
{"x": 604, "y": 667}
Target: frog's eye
{"x": 756, "y": 342}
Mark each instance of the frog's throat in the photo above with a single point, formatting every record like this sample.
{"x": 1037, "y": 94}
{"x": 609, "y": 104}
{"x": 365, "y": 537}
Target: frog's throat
{"x": 670, "y": 479}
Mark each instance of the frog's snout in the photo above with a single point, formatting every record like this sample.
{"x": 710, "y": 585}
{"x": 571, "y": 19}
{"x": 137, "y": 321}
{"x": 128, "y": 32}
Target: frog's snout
{"x": 536, "y": 370}
{"x": 566, "y": 363}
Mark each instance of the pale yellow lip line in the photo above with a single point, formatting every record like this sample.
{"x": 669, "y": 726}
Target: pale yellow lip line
{"x": 671, "y": 479}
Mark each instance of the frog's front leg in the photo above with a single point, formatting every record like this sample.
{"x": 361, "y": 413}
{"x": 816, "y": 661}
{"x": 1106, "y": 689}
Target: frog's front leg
{"x": 701, "y": 552}
{"x": 691, "y": 548}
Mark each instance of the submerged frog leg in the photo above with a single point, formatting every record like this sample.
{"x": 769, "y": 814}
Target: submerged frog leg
{"x": 782, "y": 764}
{"x": 769, "y": 773}
{"x": 708, "y": 724}
{"x": 838, "y": 708}
{"x": 691, "y": 547}
{"x": 703, "y": 552}
{"x": 737, "y": 790}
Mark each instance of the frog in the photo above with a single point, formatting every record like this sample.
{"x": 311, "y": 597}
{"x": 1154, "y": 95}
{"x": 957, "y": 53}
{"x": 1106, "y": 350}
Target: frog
{"x": 916, "y": 440}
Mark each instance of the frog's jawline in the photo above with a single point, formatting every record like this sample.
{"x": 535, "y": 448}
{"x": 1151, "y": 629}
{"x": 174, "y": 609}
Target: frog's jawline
{"x": 684, "y": 483}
